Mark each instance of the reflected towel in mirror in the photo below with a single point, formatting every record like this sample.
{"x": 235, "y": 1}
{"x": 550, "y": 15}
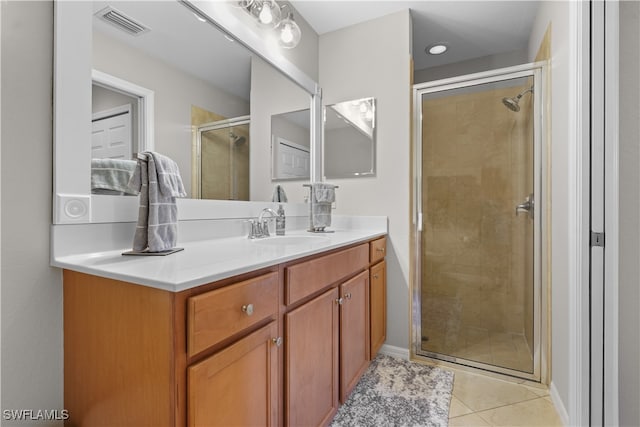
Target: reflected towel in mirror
{"x": 111, "y": 176}
{"x": 157, "y": 179}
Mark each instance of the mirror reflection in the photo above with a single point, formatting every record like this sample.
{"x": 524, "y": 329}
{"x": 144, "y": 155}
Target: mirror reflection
{"x": 223, "y": 159}
{"x": 350, "y": 139}
{"x": 201, "y": 80}
{"x": 290, "y": 145}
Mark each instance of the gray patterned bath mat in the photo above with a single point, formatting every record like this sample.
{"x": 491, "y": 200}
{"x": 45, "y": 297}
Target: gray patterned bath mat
{"x": 396, "y": 392}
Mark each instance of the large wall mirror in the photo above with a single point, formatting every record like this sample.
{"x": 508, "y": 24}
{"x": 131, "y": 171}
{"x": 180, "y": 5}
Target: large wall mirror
{"x": 203, "y": 84}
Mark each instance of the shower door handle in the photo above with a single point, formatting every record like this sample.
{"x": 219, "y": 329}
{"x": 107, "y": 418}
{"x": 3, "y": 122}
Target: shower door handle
{"x": 526, "y": 206}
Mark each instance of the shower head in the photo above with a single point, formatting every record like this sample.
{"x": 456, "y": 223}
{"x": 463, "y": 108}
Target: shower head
{"x": 237, "y": 139}
{"x": 513, "y": 103}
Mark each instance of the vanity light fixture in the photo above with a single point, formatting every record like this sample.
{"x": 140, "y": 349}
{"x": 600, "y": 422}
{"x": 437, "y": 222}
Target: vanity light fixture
{"x": 436, "y": 49}
{"x": 269, "y": 13}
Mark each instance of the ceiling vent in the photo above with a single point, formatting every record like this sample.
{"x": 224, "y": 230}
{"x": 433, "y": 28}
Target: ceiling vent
{"x": 122, "y": 21}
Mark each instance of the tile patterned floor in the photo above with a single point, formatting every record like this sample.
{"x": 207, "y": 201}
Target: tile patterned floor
{"x": 482, "y": 401}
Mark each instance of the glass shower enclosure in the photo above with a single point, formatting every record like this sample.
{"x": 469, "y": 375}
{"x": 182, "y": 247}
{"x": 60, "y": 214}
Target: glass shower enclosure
{"x": 477, "y": 216}
{"x": 222, "y": 159}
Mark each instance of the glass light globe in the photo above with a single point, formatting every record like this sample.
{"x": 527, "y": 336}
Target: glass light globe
{"x": 289, "y": 32}
{"x": 269, "y": 12}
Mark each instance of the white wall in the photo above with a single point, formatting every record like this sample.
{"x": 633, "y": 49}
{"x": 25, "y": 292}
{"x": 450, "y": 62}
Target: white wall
{"x": 358, "y": 62}
{"x": 175, "y": 92}
{"x": 557, "y": 14}
{"x": 629, "y": 220}
{"x": 31, "y": 291}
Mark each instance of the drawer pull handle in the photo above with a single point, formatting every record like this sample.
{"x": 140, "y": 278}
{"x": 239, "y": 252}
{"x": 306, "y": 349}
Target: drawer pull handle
{"x": 340, "y": 301}
{"x": 277, "y": 341}
{"x": 248, "y": 309}
{"x": 348, "y": 296}
{"x": 380, "y": 249}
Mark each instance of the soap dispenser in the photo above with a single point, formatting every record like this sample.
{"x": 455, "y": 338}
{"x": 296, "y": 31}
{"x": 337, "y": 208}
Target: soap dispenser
{"x": 280, "y": 222}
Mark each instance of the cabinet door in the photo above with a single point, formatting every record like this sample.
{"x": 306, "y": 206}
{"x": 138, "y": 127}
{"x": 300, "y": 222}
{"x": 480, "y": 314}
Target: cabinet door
{"x": 354, "y": 332}
{"x": 237, "y": 386}
{"x": 311, "y": 361}
{"x": 378, "y": 296}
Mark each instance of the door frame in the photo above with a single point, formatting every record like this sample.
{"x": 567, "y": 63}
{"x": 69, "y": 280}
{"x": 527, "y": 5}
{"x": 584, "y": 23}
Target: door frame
{"x": 541, "y": 241}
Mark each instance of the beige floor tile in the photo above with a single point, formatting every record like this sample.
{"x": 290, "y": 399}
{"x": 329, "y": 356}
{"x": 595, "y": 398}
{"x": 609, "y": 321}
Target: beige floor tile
{"x": 540, "y": 391}
{"x": 458, "y": 408}
{"x": 536, "y": 412}
{"x": 480, "y": 393}
{"x": 471, "y": 420}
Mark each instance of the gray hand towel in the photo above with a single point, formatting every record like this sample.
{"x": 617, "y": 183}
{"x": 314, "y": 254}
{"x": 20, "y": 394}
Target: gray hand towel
{"x": 158, "y": 181}
{"x": 322, "y": 196}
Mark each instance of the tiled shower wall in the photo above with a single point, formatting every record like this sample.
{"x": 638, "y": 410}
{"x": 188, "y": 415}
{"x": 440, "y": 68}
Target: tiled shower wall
{"x": 477, "y": 166}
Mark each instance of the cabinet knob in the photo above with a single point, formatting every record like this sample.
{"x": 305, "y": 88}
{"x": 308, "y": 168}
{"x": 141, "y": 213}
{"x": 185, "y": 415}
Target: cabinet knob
{"x": 340, "y": 301}
{"x": 248, "y": 309}
{"x": 348, "y": 295}
{"x": 375, "y": 276}
{"x": 277, "y": 341}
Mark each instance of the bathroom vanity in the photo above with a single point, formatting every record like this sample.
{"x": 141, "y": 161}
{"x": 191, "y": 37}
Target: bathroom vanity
{"x": 278, "y": 344}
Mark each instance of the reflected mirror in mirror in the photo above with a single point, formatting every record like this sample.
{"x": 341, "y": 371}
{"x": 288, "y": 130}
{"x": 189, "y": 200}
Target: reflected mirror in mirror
{"x": 290, "y": 145}
{"x": 201, "y": 80}
{"x": 350, "y": 139}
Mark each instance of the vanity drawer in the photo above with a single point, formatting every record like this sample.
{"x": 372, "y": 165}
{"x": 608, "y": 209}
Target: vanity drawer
{"x": 378, "y": 250}
{"x": 216, "y": 315}
{"x": 310, "y": 276}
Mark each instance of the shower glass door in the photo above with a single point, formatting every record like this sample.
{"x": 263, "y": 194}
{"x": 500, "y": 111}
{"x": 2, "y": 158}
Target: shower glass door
{"x": 222, "y": 161}
{"x": 477, "y": 235}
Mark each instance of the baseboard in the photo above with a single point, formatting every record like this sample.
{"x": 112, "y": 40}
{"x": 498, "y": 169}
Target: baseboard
{"x": 558, "y": 404}
{"x": 399, "y": 352}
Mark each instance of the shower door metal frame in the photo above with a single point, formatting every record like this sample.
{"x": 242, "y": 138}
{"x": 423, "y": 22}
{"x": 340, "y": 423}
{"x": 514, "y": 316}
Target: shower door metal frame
{"x": 540, "y": 325}
{"x": 197, "y": 152}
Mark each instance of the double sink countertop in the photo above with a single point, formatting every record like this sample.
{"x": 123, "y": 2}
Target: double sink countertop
{"x": 207, "y": 261}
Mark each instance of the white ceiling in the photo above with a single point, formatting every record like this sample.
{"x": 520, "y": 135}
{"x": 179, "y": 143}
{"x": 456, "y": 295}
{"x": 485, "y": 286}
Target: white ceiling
{"x": 470, "y": 28}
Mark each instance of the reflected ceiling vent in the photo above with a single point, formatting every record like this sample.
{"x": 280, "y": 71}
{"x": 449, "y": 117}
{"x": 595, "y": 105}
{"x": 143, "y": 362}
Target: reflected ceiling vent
{"x": 122, "y": 21}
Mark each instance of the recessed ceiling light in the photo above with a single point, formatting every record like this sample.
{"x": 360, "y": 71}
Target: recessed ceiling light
{"x": 436, "y": 49}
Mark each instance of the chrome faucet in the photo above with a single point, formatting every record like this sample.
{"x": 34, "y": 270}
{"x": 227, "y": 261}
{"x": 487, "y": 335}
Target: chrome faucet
{"x": 260, "y": 226}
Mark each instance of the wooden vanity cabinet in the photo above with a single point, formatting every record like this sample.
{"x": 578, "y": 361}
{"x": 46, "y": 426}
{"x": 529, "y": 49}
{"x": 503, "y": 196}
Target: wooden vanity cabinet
{"x": 283, "y": 345}
{"x": 140, "y": 356}
{"x": 327, "y": 336}
{"x": 378, "y": 295}
{"x": 354, "y": 332}
{"x": 237, "y": 386}
{"x": 311, "y": 361}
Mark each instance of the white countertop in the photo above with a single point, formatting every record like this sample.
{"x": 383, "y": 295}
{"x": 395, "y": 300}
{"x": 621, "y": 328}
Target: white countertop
{"x": 207, "y": 261}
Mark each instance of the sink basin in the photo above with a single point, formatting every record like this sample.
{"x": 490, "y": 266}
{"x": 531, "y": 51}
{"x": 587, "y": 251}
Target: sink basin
{"x": 291, "y": 240}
